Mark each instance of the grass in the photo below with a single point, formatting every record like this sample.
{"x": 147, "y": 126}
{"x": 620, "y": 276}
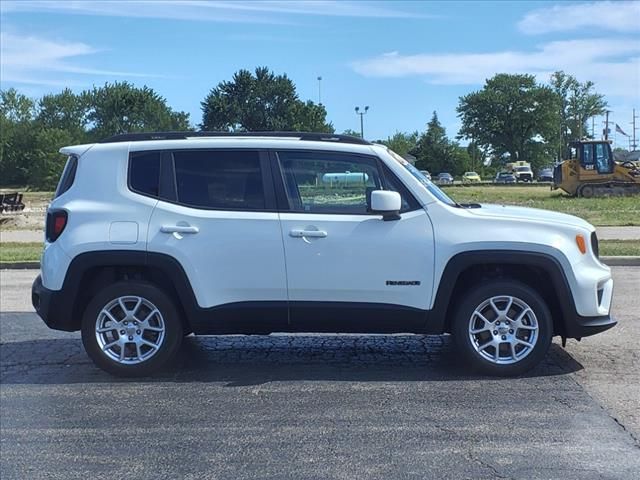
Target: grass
{"x": 606, "y": 211}
{"x": 12, "y": 252}
{"x": 616, "y": 248}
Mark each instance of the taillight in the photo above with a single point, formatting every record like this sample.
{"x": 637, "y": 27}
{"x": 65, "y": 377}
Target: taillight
{"x": 56, "y": 222}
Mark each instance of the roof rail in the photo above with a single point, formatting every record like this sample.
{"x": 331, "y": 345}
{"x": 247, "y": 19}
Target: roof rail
{"x": 308, "y": 136}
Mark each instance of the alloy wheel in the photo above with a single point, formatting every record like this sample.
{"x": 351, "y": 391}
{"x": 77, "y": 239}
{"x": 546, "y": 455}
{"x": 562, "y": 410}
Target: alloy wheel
{"x": 503, "y": 329}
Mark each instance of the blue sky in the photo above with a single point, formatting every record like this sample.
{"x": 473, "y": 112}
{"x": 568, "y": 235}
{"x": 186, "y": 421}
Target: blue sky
{"x": 403, "y": 59}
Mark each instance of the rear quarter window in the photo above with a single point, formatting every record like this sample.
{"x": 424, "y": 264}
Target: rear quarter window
{"x": 68, "y": 176}
{"x": 144, "y": 173}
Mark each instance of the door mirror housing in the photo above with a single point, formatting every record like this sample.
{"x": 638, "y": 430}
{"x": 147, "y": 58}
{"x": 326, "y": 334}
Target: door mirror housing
{"x": 386, "y": 203}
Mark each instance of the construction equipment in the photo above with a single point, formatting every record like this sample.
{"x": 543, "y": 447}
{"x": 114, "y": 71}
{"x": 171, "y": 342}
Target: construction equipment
{"x": 590, "y": 171}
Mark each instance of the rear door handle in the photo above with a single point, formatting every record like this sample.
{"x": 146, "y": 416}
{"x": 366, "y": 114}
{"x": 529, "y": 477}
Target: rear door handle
{"x": 178, "y": 229}
{"x": 308, "y": 233}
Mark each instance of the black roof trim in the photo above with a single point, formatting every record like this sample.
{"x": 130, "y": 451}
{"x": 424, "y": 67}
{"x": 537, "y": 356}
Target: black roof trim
{"x": 308, "y": 136}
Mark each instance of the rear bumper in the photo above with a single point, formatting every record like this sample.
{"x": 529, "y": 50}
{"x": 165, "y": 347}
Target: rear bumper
{"x": 53, "y": 307}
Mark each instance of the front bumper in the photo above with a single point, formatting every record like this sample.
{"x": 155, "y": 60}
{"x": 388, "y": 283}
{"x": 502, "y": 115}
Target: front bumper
{"x": 587, "y": 326}
{"x": 53, "y": 307}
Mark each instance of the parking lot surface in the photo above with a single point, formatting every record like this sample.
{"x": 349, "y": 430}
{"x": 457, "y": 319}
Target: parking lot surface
{"x": 317, "y": 406}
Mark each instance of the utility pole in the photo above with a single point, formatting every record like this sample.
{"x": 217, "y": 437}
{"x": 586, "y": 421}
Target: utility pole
{"x": 606, "y": 126}
{"x": 634, "y": 145}
{"x": 362, "y": 114}
{"x": 319, "y": 96}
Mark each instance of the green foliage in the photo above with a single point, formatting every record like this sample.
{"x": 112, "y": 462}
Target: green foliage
{"x": 123, "y": 108}
{"x": 17, "y": 113}
{"x": 578, "y": 102}
{"x": 511, "y": 115}
{"x": 33, "y": 132}
{"x": 436, "y": 153}
{"x": 401, "y": 142}
{"x": 351, "y": 132}
{"x": 261, "y": 102}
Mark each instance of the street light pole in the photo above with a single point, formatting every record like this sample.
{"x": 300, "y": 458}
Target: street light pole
{"x": 319, "y": 96}
{"x": 362, "y": 114}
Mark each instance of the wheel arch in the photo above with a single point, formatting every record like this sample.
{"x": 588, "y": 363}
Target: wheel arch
{"x": 541, "y": 271}
{"x": 88, "y": 272}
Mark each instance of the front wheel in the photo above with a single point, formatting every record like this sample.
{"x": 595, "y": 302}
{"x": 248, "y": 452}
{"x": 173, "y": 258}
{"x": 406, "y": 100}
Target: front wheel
{"x": 131, "y": 329}
{"x": 503, "y": 328}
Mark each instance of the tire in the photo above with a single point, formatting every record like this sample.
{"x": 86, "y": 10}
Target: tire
{"x": 115, "y": 341}
{"x": 520, "y": 345}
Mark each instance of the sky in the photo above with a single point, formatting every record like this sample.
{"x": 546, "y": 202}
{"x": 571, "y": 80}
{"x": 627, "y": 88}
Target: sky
{"x": 402, "y": 59}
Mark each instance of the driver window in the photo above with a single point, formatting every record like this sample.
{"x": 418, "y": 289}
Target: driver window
{"x": 318, "y": 182}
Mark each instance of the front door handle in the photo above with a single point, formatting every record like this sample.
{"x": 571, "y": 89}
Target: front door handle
{"x": 308, "y": 233}
{"x": 179, "y": 229}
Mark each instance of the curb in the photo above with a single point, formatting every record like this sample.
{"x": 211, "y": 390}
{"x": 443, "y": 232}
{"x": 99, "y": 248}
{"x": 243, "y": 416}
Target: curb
{"x": 622, "y": 261}
{"x": 19, "y": 265}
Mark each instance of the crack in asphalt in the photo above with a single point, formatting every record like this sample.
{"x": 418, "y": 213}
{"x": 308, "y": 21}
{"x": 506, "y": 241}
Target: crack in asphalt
{"x": 496, "y": 473}
{"x": 574, "y": 379}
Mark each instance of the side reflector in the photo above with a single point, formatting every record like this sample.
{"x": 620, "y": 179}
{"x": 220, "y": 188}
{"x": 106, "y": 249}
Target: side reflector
{"x": 582, "y": 245}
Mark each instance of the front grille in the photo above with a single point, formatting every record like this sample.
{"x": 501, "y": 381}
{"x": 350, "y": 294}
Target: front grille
{"x": 594, "y": 244}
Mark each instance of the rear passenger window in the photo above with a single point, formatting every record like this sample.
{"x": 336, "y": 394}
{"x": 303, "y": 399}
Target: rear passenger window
{"x": 144, "y": 173}
{"x": 219, "y": 179}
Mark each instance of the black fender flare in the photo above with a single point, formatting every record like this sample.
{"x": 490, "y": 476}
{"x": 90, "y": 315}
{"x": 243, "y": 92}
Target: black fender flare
{"x": 440, "y": 315}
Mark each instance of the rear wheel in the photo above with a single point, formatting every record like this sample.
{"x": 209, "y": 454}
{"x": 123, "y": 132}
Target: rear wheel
{"x": 503, "y": 328}
{"x": 131, "y": 329}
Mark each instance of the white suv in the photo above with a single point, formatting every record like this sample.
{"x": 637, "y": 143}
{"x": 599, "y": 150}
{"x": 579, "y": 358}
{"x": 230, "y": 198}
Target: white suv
{"x": 154, "y": 236}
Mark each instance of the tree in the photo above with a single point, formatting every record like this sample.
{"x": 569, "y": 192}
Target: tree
{"x": 578, "y": 102}
{"x": 401, "y": 143}
{"x": 436, "y": 153}
{"x": 64, "y": 111}
{"x": 123, "y": 108}
{"x": 16, "y": 129}
{"x": 261, "y": 102}
{"x": 511, "y": 114}
{"x": 351, "y": 133}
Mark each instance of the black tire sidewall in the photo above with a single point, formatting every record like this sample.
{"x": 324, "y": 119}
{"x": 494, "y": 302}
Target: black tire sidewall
{"x": 492, "y": 289}
{"x": 173, "y": 328}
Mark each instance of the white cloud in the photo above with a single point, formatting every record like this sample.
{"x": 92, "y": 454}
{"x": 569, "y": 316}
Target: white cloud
{"x": 613, "y": 64}
{"x": 620, "y": 16}
{"x": 35, "y": 60}
{"x": 218, "y": 11}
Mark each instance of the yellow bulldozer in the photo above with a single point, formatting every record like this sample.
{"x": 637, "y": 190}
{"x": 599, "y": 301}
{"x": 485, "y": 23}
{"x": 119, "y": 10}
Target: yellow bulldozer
{"x": 590, "y": 171}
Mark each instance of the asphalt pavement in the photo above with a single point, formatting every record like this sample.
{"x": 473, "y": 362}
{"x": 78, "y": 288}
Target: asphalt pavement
{"x": 317, "y": 406}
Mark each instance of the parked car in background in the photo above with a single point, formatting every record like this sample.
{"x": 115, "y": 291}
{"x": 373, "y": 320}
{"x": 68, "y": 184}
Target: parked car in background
{"x": 545, "y": 175}
{"x": 426, "y": 174}
{"x": 505, "y": 177}
{"x": 471, "y": 177}
{"x": 523, "y": 174}
{"x": 444, "y": 179}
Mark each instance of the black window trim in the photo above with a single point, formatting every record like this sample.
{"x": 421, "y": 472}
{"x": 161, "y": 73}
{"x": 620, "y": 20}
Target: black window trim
{"x": 169, "y": 189}
{"x": 383, "y": 172}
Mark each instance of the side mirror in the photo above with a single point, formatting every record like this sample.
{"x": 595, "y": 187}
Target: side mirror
{"x": 386, "y": 203}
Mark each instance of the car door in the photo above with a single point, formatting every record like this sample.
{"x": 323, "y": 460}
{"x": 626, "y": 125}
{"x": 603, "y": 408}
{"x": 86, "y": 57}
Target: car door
{"x": 347, "y": 268}
{"x": 217, "y": 218}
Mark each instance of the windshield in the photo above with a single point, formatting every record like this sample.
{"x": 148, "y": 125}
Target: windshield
{"x": 523, "y": 169}
{"x": 424, "y": 181}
